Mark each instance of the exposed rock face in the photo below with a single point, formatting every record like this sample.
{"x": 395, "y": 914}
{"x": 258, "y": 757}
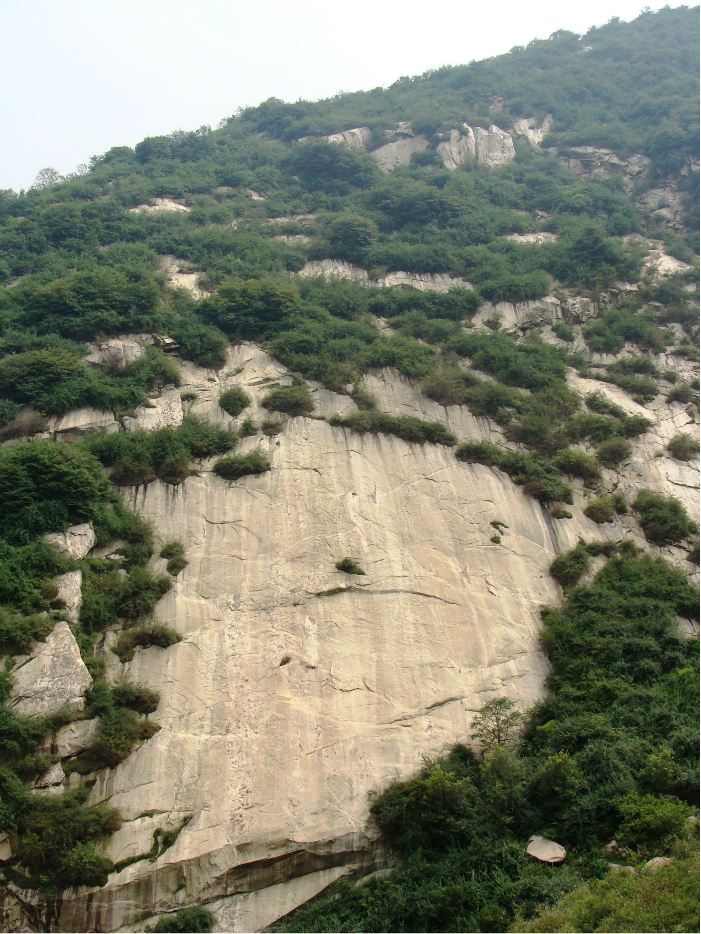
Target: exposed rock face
{"x": 159, "y": 206}
{"x": 180, "y": 278}
{"x": 399, "y": 152}
{"x": 457, "y": 149}
{"x": 357, "y": 140}
{"x": 423, "y": 281}
{"x": 522, "y": 315}
{"x": 533, "y": 134}
{"x": 494, "y": 146}
{"x": 72, "y": 425}
{"x": 68, "y": 586}
{"x": 75, "y": 542}
{"x": 54, "y": 678}
{"x": 590, "y": 162}
{"x": 541, "y": 236}
{"x": 118, "y": 352}
{"x": 546, "y": 851}
{"x": 71, "y": 739}
{"x": 164, "y": 410}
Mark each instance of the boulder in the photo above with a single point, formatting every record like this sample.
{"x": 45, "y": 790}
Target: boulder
{"x": 72, "y": 425}
{"x": 75, "y": 542}
{"x": 118, "y": 352}
{"x": 54, "y": 678}
{"x": 159, "y": 206}
{"x": 546, "y": 851}
{"x": 163, "y": 411}
{"x": 533, "y": 134}
{"x": 71, "y": 739}
{"x": 69, "y": 590}
{"x": 54, "y": 776}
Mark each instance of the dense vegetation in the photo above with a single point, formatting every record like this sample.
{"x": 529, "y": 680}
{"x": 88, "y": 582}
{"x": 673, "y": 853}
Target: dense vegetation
{"x": 610, "y": 753}
{"x": 611, "y": 750}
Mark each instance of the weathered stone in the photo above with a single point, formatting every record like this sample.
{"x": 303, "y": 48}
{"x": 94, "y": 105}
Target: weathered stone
{"x": 494, "y": 146}
{"x": 75, "y": 542}
{"x": 5, "y": 848}
{"x": 533, "y": 134}
{"x": 422, "y": 281}
{"x": 546, "y": 851}
{"x": 457, "y": 149}
{"x": 180, "y": 278}
{"x": 391, "y": 155}
{"x": 119, "y": 352}
{"x": 71, "y": 739}
{"x": 255, "y": 195}
{"x": 68, "y": 586}
{"x": 658, "y": 862}
{"x": 80, "y": 421}
{"x": 54, "y": 776}
{"x": 357, "y": 140}
{"x": 162, "y": 411}
{"x": 521, "y": 316}
{"x": 540, "y": 236}
{"x": 159, "y": 206}
{"x": 54, "y": 678}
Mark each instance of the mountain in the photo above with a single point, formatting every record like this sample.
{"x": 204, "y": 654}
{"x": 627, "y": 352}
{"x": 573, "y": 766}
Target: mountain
{"x": 349, "y": 473}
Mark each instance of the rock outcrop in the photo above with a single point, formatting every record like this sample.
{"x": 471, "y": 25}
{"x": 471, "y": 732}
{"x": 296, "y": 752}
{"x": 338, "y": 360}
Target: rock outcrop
{"x": 75, "y": 542}
{"x": 533, "y": 134}
{"x": 592, "y": 162}
{"x": 423, "y": 281}
{"x": 159, "y": 206}
{"x": 357, "y": 140}
{"x": 399, "y": 152}
{"x": 490, "y": 147}
{"x": 69, "y": 591}
{"x": 546, "y": 851}
{"x": 53, "y": 679}
{"x": 458, "y": 148}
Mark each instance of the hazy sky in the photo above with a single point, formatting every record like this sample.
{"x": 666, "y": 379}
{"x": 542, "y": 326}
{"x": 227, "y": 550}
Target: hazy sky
{"x": 80, "y": 76}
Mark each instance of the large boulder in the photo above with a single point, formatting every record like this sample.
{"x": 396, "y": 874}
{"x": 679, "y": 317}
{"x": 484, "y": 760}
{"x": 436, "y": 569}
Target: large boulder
{"x": 55, "y": 678}
{"x": 546, "y": 851}
{"x": 399, "y": 153}
{"x": 457, "y": 149}
{"x": 75, "y": 542}
{"x": 494, "y": 146}
{"x": 357, "y": 139}
{"x": 71, "y": 739}
{"x": 69, "y": 590}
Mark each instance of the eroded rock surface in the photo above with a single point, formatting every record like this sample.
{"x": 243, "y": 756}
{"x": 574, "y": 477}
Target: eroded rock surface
{"x": 391, "y": 155}
{"x": 423, "y": 281}
{"x": 54, "y": 678}
{"x": 75, "y": 542}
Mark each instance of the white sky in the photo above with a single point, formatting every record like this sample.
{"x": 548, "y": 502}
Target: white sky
{"x": 80, "y": 76}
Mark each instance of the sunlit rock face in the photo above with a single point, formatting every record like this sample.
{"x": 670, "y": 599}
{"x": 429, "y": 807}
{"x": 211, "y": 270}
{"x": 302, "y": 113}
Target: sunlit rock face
{"x": 297, "y": 689}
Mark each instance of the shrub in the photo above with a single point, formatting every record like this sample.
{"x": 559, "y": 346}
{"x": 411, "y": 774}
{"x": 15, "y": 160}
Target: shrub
{"x": 349, "y": 566}
{"x": 577, "y": 464}
{"x": 205, "y": 346}
{"x": 136, "y": 697}
{"x": 241, "y": 465}
{"x": 604, "y": 508}
{"x": 651, "y": 824}
{"x": 158, "y": 634}
{"x": 535, "y": 474}
{"x": 564, "y": 331}
{"x": 568, "y": 569}
{"x": 610, "y": 453}
{"x": 402, "y": 426}
{"x": 683, "y": 447}
{"x": 234, "y": 400}
{"x": 17, "y": 633}
{"x": 292, "y": 400}
{"x": 191, "y": 920}
{"x": 174, "y": 552}
{"x": 118, "y": 732}
{"x": 663, "y": 519}
{"x": 683, "y": 394}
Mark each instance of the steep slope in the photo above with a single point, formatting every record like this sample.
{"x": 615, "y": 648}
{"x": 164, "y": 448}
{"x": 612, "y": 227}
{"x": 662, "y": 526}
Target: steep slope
{"x": 446, "y": 349}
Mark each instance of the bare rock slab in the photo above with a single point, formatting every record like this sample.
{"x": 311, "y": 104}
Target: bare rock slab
{"x": 69, "y": 590}
{"x": 54, "y": 678}
{"x": 546, "y": 851}
{"x": 75, "y": 542}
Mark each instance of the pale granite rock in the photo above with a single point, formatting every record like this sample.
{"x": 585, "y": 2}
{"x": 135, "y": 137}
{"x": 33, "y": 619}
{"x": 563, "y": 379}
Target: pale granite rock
{"x": 54, "y": 776}
{"x": 68, "y": 586}
{"x": 162, "y": 411}
{"x": 71, "y": 739}
{"x": 494, "y": 146}
{"x": 457, "y": 149}
{"x": 546, "y": 851}
{"x": 77, "y": 422}
{"x": 533, "y": 134}
{"x": 357, "y": 139}
{"x": 54, "y": 678}
{"x": 539, "y": 237}
{"x": 422, "y": 281}
{"x": 391, "y": 155}
{"x": 75, "y": 542}
{"x": 180, "y": 276}
{"x": 159, "y": 206}
{"x": 118, "y": 352}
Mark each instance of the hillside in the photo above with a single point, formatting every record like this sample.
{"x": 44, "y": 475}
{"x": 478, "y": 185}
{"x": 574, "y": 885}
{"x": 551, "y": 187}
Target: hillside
{"x": 330, "y": 439}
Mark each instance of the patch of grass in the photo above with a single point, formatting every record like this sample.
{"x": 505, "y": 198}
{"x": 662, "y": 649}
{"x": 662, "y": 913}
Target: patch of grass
{"x": 663, "y": 519}
{"x": 272, "y": 426}
{"x": 234, "y": 400}
{"x": 349, "y": 566}
{"x": 241, "y": 465}
{"x": 291, "y": 400}
{"x": 403, "y": 426}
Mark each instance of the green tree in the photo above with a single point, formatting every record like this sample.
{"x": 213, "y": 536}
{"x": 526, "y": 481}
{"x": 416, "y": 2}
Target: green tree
{"x": 496, "y": 724}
